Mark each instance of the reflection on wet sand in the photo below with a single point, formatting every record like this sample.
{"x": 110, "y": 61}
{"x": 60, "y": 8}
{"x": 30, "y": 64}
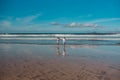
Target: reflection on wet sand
{"x": 63, "y": 50}
{"x": 58, "y": 49}
{"x": 83, "y": 46}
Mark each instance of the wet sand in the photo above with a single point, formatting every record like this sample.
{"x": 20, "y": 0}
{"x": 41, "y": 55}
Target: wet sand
{"x": 43, "y": 62}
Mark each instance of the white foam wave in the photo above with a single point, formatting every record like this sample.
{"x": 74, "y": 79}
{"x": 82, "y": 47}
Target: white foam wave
{"x": 55, "y": 38}
{"x": 60, "y": 35}
{"x": 28, "y": 38}
{"x": 112, "y": 35}
{"x": 22, "y": 35}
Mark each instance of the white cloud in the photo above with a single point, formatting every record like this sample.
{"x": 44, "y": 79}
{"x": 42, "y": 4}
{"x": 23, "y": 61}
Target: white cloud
{"x": 104, "y": 20}
{"x": 6, "y": 17}
{"x": 54, "y": 23}
{"x": 5, "y": 23}
{"x": 28, "y": 18}
{"x": 90, "y": 25}
{"x": 75, "y": 24}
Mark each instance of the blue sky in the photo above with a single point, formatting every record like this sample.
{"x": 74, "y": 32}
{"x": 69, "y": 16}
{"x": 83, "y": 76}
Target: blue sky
{"x": 59, "y": 15}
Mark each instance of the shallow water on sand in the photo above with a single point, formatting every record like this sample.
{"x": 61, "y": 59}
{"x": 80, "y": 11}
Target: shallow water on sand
{"x": 59, "y": 62}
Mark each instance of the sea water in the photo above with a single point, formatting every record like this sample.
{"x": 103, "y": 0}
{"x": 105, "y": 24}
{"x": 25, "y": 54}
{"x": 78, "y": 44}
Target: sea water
{"x": 71, "y": 38}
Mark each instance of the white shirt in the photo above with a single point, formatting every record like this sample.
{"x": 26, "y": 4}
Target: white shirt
{"x": 64, "y": 40}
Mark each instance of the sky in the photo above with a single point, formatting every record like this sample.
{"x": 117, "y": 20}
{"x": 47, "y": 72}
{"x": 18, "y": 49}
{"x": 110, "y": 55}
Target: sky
{"x": 44, "y": 16}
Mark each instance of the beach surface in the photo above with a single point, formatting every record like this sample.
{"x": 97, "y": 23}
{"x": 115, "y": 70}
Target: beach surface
{"x": 59, "y": 62}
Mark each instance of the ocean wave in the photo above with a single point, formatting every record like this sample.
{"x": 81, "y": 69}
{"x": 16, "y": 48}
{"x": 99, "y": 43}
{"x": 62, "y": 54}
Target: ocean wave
{"x": 22, "y": 35}
{"x": 55, "y": 38}
{"x": 60, "y": 35}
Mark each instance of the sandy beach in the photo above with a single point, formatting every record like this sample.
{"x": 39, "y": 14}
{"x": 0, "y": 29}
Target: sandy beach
{"x": 58, "y": 62}
{"x": 59, "y": 39}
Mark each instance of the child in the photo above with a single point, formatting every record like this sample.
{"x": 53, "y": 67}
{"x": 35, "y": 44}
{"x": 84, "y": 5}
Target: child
{"x": 58, "y": 39}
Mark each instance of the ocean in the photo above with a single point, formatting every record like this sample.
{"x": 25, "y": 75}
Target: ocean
{"x": 71, "y": 38}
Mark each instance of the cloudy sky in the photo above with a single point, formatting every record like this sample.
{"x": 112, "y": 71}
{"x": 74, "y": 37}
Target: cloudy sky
{"x": 59, "y": 16}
